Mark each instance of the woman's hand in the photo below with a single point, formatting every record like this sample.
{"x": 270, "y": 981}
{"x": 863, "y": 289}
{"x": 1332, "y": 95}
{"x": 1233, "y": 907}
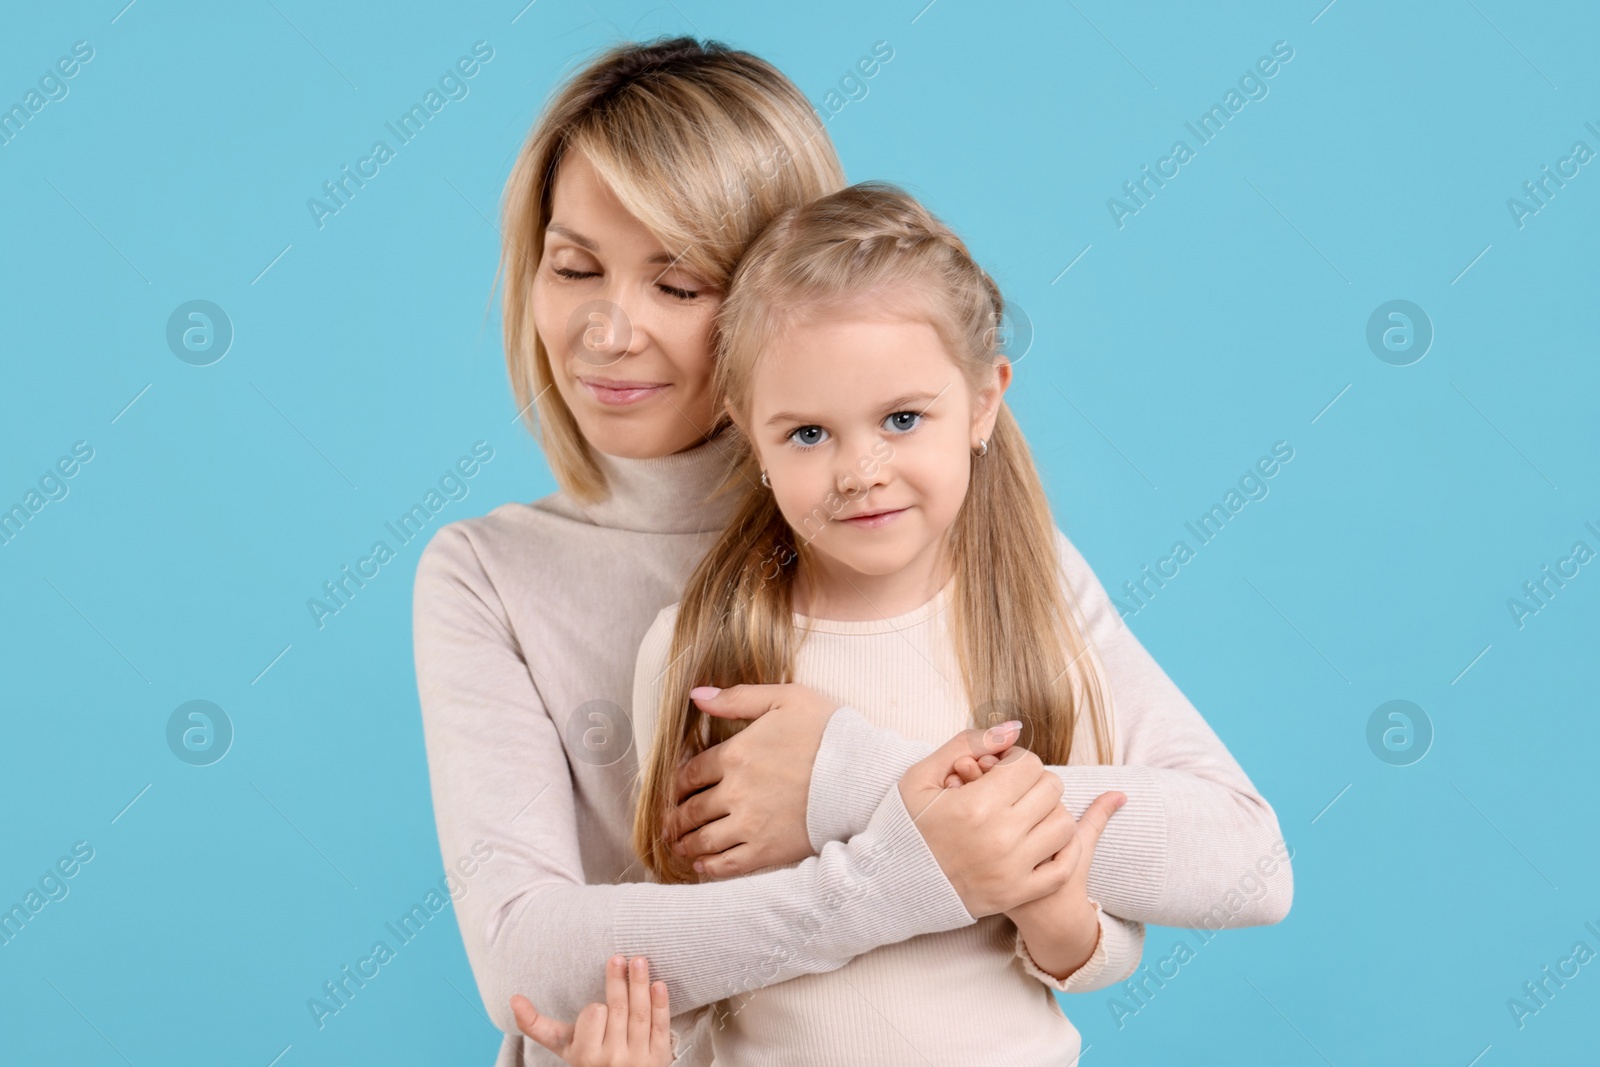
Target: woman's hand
{"x": 1061, "y": 929}
{"x": 742, "y": 803}
{"x": 632, "y": 1029}
{"x": 999, "y": 839}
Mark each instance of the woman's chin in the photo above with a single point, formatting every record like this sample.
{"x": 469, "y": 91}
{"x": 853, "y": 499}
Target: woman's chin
{"x": 638, "y": 438}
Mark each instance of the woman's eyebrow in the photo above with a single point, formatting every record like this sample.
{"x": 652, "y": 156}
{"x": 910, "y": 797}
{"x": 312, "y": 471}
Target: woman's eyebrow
{"x": 573, "y": 236}
{"x": 583, "y": 242}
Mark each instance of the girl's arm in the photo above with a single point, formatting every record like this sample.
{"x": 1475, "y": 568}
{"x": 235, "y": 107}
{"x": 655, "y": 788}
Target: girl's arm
{"x": 531, "y": 924}
{"x": 1115, "y": 956}
{"x": 1195, "y": 844}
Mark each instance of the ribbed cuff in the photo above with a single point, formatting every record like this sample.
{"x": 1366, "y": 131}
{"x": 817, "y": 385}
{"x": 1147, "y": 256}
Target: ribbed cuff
{"x": 913, "y": 894}
{"x": 857, "y": 765}
{"x": 1130, "y": 870}
{"x": 1116, "y": 955}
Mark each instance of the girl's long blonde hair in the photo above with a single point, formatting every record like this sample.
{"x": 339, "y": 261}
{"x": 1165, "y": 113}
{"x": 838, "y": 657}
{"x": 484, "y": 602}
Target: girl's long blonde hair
{"x": 1019, "y": 639}
{"x": 701, "y": 143}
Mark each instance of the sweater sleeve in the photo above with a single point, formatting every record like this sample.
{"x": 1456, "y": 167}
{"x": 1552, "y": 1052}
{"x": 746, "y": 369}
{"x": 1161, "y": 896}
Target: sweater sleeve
{"x": 530, "y": 922}
{"x": 1115, "y": 957}
{"x": 1195, "y": 844}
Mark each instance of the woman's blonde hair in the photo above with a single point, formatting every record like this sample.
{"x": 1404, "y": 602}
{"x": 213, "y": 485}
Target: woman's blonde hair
{"x": 702, "y": 144}
{"x": 1019, "y": 638}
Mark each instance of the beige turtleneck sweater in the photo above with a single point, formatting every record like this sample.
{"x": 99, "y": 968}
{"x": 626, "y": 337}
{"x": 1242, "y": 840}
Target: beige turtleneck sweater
{"x": 527, "y": 623}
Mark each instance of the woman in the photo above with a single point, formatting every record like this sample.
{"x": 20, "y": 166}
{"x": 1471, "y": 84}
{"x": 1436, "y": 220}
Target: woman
{"x": 641, "y": 185}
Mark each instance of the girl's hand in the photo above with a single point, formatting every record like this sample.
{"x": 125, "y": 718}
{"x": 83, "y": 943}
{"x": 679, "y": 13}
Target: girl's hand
{"x": 632, "y": 1029}
{"x": 1062, "y": 929}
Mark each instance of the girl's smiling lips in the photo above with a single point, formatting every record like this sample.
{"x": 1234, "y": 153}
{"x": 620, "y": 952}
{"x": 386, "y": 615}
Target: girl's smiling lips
{"x": 618, "y": 393}
{"x": 871, "y": 520}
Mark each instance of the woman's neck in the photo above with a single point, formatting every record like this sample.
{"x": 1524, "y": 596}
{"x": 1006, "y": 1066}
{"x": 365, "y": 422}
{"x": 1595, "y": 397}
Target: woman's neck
{"x": 827, "y": 589}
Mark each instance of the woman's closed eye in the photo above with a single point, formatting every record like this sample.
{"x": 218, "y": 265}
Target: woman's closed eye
{"x": 579, "y": 275}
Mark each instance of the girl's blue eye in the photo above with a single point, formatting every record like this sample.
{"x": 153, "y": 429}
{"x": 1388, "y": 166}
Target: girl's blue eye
{"x": 808, "y": 436}
{"x": 903, "y": 421}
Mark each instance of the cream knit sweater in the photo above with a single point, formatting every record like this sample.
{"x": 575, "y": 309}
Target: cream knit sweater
{"x": 968, "y": 996}
{"x": 527, "y": 625}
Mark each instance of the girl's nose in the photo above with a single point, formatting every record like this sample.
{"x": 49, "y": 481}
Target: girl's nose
{"x": 859, "y": 471}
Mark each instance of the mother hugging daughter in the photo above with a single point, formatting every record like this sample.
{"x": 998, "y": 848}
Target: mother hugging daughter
{"x": 801, "y": 438}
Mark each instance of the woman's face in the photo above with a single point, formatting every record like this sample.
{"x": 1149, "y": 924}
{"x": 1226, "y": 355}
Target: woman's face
{"x": 627, "y": 331}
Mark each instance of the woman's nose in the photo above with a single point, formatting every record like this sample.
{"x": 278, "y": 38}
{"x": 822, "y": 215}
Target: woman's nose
{"x": 604, "y": 330}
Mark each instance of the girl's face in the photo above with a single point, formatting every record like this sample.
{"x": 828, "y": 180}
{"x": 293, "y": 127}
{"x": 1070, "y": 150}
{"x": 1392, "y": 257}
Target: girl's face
{"x": 627, "y": 331}
{"x": 866, "y": 426}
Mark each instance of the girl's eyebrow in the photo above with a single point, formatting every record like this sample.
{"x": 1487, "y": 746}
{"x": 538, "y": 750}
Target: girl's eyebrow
{"x": 899, "y": 403}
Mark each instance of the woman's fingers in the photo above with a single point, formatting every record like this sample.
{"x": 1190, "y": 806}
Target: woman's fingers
{"x": 738, "y": 860}
{"x": 617, "y": 1002}
{"x": 553, "y": 1034}
{"x": 660, "y": 1021}
{"x": 714, "y": 837}
{"x": 697, "y": 811}
{"x": 639, "y": 1013}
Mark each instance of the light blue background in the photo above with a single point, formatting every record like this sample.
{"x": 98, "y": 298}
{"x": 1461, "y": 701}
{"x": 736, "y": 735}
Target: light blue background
{"x": 1228, "y": 314}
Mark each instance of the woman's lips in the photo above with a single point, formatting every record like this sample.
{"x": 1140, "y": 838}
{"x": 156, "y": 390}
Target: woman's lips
{"x": 873, "y": 520}
{"x": 621, "y": 393}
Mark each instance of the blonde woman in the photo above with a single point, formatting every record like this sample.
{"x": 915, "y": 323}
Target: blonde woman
{"x": 639, "y": 189}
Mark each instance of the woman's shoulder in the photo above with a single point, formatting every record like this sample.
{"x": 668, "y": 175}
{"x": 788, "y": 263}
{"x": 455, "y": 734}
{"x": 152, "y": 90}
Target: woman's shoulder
{"x": 477, "y": 544}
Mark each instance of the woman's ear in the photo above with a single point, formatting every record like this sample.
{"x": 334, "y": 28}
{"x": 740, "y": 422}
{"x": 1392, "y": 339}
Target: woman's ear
{"x": 987, "y": 408}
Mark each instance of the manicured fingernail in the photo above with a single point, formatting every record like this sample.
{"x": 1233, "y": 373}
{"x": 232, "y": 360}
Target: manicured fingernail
{"x": 703, "y": 692}
{"x": 618, "y": 961}
{"x": 1003, "y": 732}
{"x": 699, "y": 866}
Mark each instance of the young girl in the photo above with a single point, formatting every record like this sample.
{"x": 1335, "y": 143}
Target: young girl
{"x": 895, "y": 550}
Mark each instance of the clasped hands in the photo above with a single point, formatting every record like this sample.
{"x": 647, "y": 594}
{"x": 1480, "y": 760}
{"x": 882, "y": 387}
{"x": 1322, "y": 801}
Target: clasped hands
{"x": 989, "y": 812}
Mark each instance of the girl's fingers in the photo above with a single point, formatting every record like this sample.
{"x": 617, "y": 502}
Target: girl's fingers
{"x": 616, "y": 1003}
{"x": 968, "y": 769}
{"x": 986, "y": 761}
{"x": 553, "y": 1034}
{"x": 589, "y": 1041}
{"x": 660, "y": 1022}
{"x": 1094, "y": 818}
{"x": 952, "y": 781}
{"x": 639, "y": 1014}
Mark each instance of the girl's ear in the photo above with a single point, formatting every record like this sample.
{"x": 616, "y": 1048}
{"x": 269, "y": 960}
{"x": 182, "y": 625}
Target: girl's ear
{"x": 987, "y": 408}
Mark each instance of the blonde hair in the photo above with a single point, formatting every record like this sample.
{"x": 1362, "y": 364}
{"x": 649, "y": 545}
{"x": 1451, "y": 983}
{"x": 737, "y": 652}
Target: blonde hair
{"x": 1020, "y": 640}
{"x": 702, "y": 144}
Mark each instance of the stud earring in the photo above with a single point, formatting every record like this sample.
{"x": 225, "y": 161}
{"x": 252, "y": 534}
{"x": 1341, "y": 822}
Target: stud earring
{"x": 982, "y": 449}
{"x": 764, "y": 480}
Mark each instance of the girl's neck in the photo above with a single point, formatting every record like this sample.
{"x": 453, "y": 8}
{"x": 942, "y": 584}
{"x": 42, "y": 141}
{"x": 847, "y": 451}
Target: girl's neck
{"x": 826, "y": 589}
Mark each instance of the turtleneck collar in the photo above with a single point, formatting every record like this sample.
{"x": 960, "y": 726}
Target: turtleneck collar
{"x": 667, "y": 494}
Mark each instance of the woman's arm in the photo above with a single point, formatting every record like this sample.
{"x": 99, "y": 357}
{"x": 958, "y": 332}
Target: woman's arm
{"x": 1192, "y": 841}
{"x": 530, "y": 923}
